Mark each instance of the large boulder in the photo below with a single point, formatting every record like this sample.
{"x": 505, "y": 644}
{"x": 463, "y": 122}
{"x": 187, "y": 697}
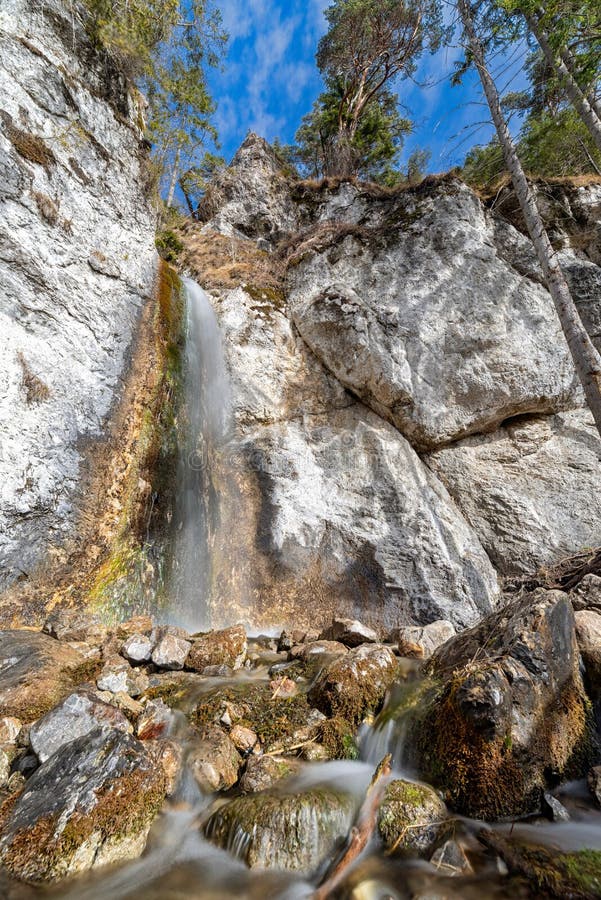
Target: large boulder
{"x": 510, "y": 718}
{"x": 356, "y": 683}
{"x": 531, "y": 490}
{"x": 279, "y": 830}
{"x": 79, "y": 714}
{"x": 416, "y": 311}
{"x": 36, "y": 672}
{"x": 90, "y": 804}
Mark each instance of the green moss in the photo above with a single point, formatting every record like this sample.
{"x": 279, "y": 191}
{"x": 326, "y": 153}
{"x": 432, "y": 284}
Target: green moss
{"x": 269, "y": 296}
{"x": 169, "y": 245}
{"x": 88, "y": 670}
{"x": 338, "y": 737}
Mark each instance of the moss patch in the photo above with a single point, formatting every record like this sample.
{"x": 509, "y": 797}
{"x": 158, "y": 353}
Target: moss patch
{"x": 29, "y": 146}
{"x": 338, "y": 737}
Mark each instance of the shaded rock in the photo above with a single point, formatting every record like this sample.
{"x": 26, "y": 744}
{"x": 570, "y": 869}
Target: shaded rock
{"x": 36, "y": 672}
{"x": 137, "y": 648}
{"x": 350, "y": 632}
{"x": 155, "y": 721}
{"x": 10, "y": 728}
{"x": 214, "y": 761}
{"x": 60, "y": 825}
{"x": 420, "y": 642}
{"x": 531, "y": 490}
{"x": 262, "y": 772}
{"x": 66, "y": 624}
{"x": 219, "y": 648}
{"x": 170, "y": 652}
{"x": 78, "y": 715}
{"x": 510, "y": 717}
{"x": 594, "y": 783}
{"x": 272, "y": 830}
{"x": 588, "y": 634}
{"x": 450, "y": 859}
{"x": 119, "y": 677}
{"x": 412, "y": 818}
{"x": 356, "y": 683}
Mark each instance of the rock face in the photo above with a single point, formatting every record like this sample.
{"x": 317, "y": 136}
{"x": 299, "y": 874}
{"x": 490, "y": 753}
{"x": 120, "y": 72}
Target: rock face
{"x": 420, "y": 316}
{"x": 60, "y": 825}
{"x": 531, "y": 490}
{"x": 510, "y": 718}
{"x": 76, "y": 263}
{"x": 36, "y": 672}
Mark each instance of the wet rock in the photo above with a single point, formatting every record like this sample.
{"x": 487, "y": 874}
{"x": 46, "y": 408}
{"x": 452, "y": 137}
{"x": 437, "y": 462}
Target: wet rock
{"x": 60, "y": 825}
{"x": 553, "y": 809}
{"x": 510, "y": 710}
{"x": 594, "y": 783}
{"x": 318, "y": 648}
{"x": 356, "y": 683}
{"x": 244, "y": 739}
{"x": 271, "y": 830}
{"x": 170, "y": 652}
{"x": 214, "y": 761}
{"x": 219, "y": 648}
{"x": 170, "y": 756}
{"x": 36, "y": 672}
{"x": 75, "y": 625}
{"x": 10, "y": 728}
{"x": 217, "y": 672}
{"x": 262, "y": 772}
{"x": 137, "y": 648}
{"x": 419, "y": 642}
{"x": 78, "y": 715}
{"x": 412, "y": 818}
{"x": 451, "y": 860}
{"x": 155, "y": 721}
{"x": 119, "y": 677}
{"x": 349, "y": 632}
{"x": 338, "y": 737}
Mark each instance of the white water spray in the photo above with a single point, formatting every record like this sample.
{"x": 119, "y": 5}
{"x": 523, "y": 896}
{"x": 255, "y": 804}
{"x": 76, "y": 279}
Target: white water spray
{"x": 203, "y": 426}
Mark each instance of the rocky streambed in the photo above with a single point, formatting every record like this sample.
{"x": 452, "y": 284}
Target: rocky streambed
{"x": 142, "y": 761}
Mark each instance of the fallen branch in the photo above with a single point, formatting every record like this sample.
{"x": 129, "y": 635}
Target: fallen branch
{"x": 360, "y": 834}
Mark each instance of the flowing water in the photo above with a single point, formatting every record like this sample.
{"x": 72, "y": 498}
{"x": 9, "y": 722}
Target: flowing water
{"x": 179, "y": 864}
{"x": 203, "y": 428}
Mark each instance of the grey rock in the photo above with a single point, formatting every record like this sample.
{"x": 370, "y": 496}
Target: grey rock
{"x": 92, "y": 824}
{"x": 553, "y": 809}
{"x": 531, "y": 490}
{"x": 450, "y": 859}
{"x": 170, "y": 652}
{"x": 421, "y": 642}
{"x": 587, "y": 593}
{"x": 121, "y": 678}
{"x": 72, "y": 625}
{"x": 78, "y": 715}
{"x": 350, "y": 632}
{"x": 72, "y": 324}
{"x": 137, "y": 648}
{"x": 262, "y": 772}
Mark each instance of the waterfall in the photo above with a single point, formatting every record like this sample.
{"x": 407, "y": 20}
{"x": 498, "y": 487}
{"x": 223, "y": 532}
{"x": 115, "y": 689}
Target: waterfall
{"x": 203, "y": 428}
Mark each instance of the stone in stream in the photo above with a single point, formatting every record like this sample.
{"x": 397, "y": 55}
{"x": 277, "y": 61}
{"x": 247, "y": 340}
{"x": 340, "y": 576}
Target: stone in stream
{"x": 137, "y": 648}
{"x": 510, "y": 717}
{"x": 594, "y": 783}
{"x": 417, "y": 641}
{"x": 450, "y": 859}
{"x": 219, "y": 648}
{"x": 214, "y": 761}
{"x": 278, "y": 830}
{"x": 317, "y": 648}
{"x": 263, "y": 772}
{"x": 155, "y": 720}
{"x": 90, "y": 804}
{"x": 170, "y": 652}
{"x": 553, "y": 809}
{"x": 244, "y": 739}
{"x": 350, "y": 632}
{"x": 356, "y": 683}
{"x": 411, "y": 818}
{"x": 36, "y": 672}
{"x": 76, "y": 716}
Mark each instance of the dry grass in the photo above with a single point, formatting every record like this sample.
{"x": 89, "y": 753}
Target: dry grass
{"x": 224, "y": 263}
{"x": 35, "y": 389}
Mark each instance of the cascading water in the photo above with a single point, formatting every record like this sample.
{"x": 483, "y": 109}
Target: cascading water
{"x": 203, "y": 428}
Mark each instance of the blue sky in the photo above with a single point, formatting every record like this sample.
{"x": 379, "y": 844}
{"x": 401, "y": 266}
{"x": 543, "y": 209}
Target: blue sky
{"x": 270, "y": 81}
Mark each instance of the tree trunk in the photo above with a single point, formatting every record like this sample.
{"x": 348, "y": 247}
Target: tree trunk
{"x": 586, "y": 359}
{"x": 577, "y": 96}
{"x": 173, "y": 182}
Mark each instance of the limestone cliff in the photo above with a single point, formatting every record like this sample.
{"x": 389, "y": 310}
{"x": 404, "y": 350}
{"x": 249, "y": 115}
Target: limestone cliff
{"x": 409, "y": 422}
{"x": 77, "y": 264}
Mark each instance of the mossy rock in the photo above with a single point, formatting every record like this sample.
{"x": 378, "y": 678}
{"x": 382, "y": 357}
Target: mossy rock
{"x": 278, "y": 722}
{"x": 286, "y": 831}
{"x": 338, "y": 737}
{"x": 355, "y": 684}
{"x": 412, "y": 818}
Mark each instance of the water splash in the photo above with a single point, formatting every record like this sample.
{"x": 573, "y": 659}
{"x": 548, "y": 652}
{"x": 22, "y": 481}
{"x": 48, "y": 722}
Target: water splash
{"x": 204, "y": 424}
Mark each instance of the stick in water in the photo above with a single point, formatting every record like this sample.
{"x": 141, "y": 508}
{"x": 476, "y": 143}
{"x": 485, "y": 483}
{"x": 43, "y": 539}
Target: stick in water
{"x": 361, "y": 831}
